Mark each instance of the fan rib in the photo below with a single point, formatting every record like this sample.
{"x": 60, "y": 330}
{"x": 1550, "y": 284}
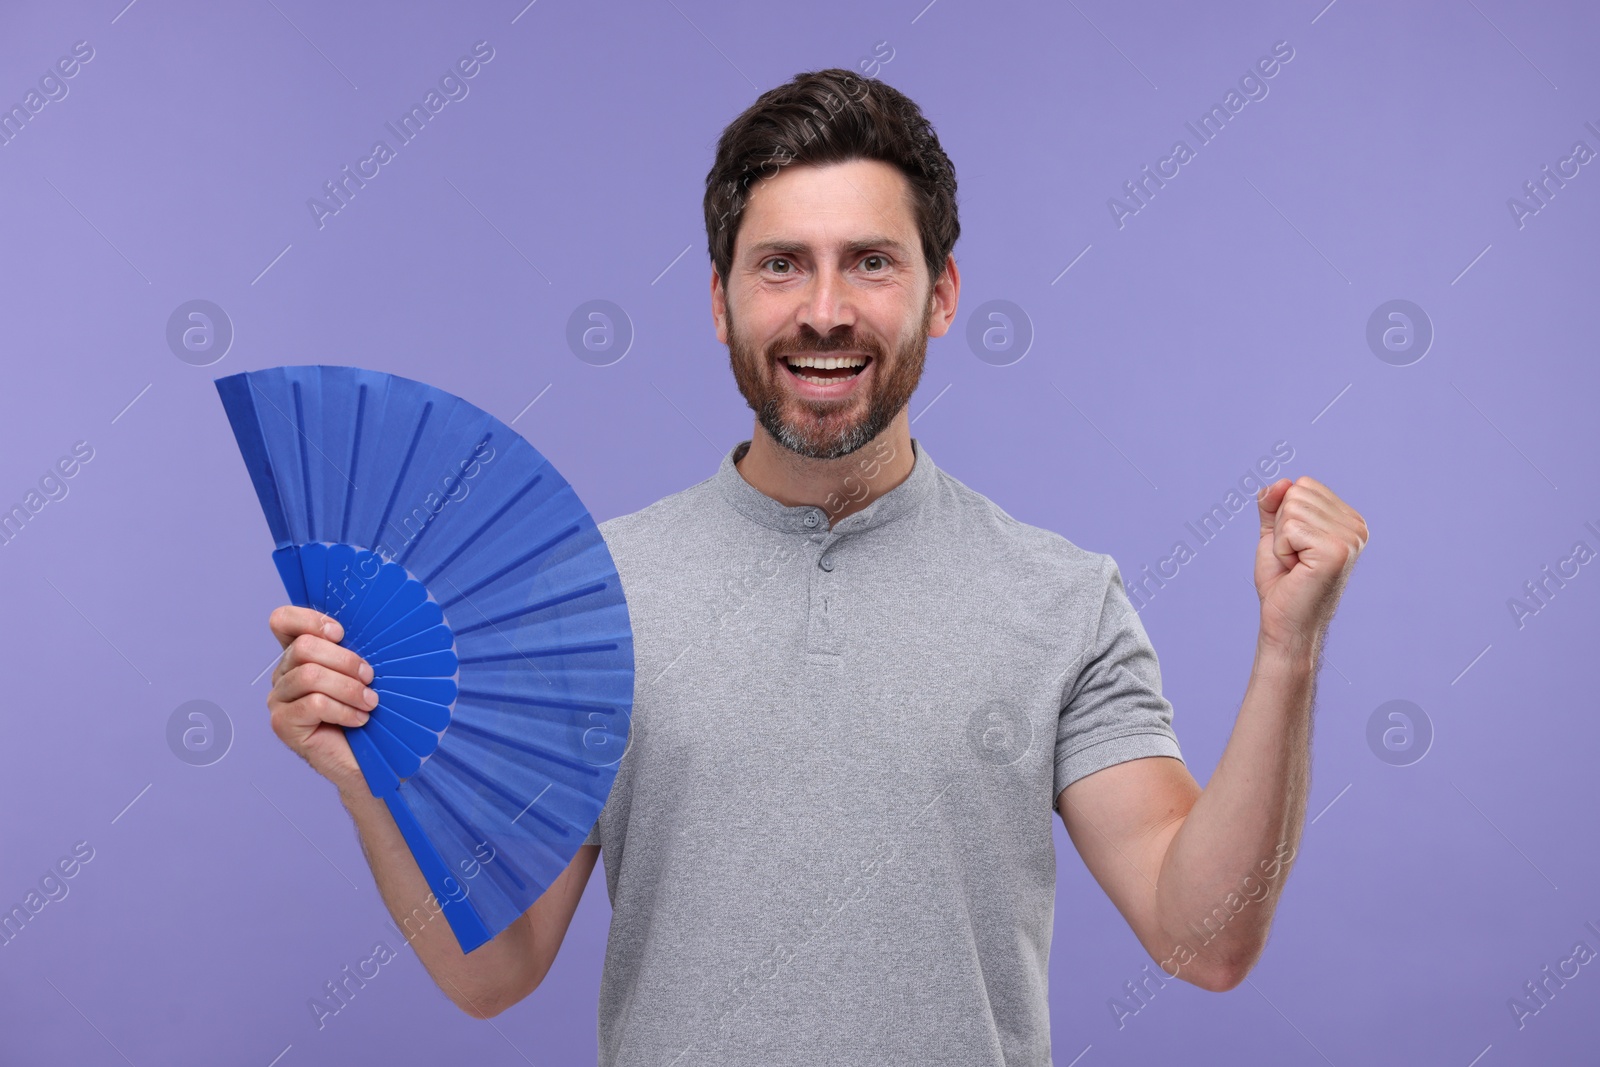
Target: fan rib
{"x": 439, "y": 637}
{"x": 305, "y": 463}
{"x": 558, "y": 650}
{"x": 499, "y": 790}
{"x": 508, "y": 568}
{"x": 401, "y": 558}
{"x": 541, "y": 606}
{"x": 469, "y": 926}
{"x": 396, "y": 753}
{"x": 405, "y": 465}
{"x": 472, "y": 831}
{"x": 381, "y": 779}
{"x": 245, "y": 416}
{"x": 355, "y": 454}
{"x": 433, "y": 690}
{"x": 502, "y": 739}
{"x": 314, "y": 563}
{"x": 483, "y": 698}
{"x": 388, "y": 581}
{"x": 436, "y": 717}
{"x": 466, "y": 544}
{"x": 403, "y": 619}
{"x": 441, "y": 664}
{"x": 413, "y": 735}
{"x": 402, "y": 605}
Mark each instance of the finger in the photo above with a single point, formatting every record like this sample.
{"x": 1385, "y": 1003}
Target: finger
{"x": 311, "y": 678}
{"x": 312, "y": 710}
{"x": 1307, "y": 486}
{"x": 1319, "y": 514}
{"x": 290, "y": 621}
{"x": 1268, "y": 500}
{"x": 1301, "y": 522}
{"x": 1319, "y": 489}
{"x": 1308, "y": 539}
{"x": 1308, "y": 509}
{"x": 308, "y": 648}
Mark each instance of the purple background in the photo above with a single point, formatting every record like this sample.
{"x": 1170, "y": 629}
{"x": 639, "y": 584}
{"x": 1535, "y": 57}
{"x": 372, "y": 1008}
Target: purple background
{"x": 1229, "y": 314}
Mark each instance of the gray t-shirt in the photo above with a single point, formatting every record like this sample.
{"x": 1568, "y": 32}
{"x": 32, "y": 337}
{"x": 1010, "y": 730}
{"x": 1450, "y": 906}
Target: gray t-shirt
{"x": 830, "y": 837}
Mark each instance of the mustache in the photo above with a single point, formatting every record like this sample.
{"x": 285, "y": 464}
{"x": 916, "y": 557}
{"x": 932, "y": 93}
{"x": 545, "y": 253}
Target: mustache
{"x": 848, "y": 343}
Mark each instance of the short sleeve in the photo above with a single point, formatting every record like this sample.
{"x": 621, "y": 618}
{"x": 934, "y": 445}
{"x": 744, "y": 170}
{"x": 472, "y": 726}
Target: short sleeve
{"x": 1114, "y": 710}
{"x": 594, "y": 835}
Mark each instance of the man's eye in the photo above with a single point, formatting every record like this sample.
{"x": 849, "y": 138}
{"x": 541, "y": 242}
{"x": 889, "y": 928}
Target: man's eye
{"x": 877, "y": 257}
{"x": 777, "y": 259}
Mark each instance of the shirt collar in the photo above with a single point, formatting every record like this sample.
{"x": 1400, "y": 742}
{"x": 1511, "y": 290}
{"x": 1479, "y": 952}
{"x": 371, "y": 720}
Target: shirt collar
{"x": 757, "y": 506}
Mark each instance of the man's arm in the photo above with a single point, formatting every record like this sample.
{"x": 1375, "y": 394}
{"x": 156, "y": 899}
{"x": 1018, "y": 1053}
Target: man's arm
{"x": 319, "y": 686}
{"x": 495, "y": 975}
{"x": 1197, "y": 873}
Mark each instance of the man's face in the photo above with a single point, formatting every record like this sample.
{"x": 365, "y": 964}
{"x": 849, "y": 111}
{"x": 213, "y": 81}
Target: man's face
{"x": 827, "y": 269}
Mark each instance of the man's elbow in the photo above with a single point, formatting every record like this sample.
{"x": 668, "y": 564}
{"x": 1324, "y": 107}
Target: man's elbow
{"x": 482, "y": 1008}
{"x": 487, "y": 1003}
{"x": 1221, "y": 975}
{"x": 1218, "y": 979}
{"x": 478, "y": 1009}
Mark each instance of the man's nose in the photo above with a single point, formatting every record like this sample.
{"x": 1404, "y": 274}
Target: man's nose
{"x": 828, "y": 302}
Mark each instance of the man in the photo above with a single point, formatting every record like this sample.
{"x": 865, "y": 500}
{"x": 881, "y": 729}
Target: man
{"x": 862, "y": 689}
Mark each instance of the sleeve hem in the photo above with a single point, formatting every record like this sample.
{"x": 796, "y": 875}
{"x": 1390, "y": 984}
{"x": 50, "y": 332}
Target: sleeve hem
{"x": 1113, "y": 750}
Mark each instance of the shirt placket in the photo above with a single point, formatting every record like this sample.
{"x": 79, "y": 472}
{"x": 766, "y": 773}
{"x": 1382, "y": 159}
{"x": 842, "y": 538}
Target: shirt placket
{"x": 822, "y": 644}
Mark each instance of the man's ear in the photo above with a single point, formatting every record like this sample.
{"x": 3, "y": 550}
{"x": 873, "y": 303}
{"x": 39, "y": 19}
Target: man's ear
{"x": 719, "y": 307}
{"x": 945, "y": 294}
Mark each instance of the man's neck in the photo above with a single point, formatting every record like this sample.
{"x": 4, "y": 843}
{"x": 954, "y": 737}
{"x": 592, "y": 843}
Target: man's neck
{"x": 840, "y": 487}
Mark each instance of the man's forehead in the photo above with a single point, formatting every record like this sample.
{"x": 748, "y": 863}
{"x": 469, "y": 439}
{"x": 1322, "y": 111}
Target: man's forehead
{"x": 846, "y": 207}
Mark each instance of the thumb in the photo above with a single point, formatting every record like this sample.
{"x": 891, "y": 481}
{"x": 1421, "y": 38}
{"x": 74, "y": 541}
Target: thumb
{"x": 332, "y": 628}
{"x": 1268, "y": 500}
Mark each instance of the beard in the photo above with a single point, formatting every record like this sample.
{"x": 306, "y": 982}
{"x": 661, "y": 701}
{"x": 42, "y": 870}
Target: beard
{"x": 827, "y": 429}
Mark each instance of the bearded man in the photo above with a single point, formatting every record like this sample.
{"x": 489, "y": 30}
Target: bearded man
{"x": 863, "y": 691}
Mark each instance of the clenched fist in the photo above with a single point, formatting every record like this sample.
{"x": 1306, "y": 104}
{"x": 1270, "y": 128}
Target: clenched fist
{"x": 318, "y": 687}
{"x": 1310, "y": 540}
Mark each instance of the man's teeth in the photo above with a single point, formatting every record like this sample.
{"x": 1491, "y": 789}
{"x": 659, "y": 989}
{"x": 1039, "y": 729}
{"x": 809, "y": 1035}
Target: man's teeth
{"x": 826, "y": 362}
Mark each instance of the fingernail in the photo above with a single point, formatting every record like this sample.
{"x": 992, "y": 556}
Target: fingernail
{"x": 362, "y": 721}
{"x": 365, "y": 672}
{"x": 370, "y": 696}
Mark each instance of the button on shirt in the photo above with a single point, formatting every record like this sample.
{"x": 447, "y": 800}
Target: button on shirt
{"x": 830, "y": 836}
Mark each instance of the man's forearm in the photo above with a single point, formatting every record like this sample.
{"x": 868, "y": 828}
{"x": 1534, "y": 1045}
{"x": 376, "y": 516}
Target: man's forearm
{"x": 1226, "y": 865}
{"x": 484, "y": 982}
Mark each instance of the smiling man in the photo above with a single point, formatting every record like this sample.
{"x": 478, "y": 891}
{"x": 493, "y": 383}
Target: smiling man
{"x": 864, "y": 691}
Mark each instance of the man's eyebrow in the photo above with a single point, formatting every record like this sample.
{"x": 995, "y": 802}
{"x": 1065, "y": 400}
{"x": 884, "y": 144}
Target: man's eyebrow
{"x": 860, "y": 244}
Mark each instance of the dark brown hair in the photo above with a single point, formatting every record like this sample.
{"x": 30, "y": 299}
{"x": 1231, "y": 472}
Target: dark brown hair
{"x": 831, "y": 116}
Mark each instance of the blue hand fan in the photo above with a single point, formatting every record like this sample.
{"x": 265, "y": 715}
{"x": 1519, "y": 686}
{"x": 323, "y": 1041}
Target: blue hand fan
{"x": 467, "y": 572}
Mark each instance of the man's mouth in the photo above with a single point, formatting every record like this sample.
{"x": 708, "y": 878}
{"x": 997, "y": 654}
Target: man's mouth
{"x": 825, "y": 369}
